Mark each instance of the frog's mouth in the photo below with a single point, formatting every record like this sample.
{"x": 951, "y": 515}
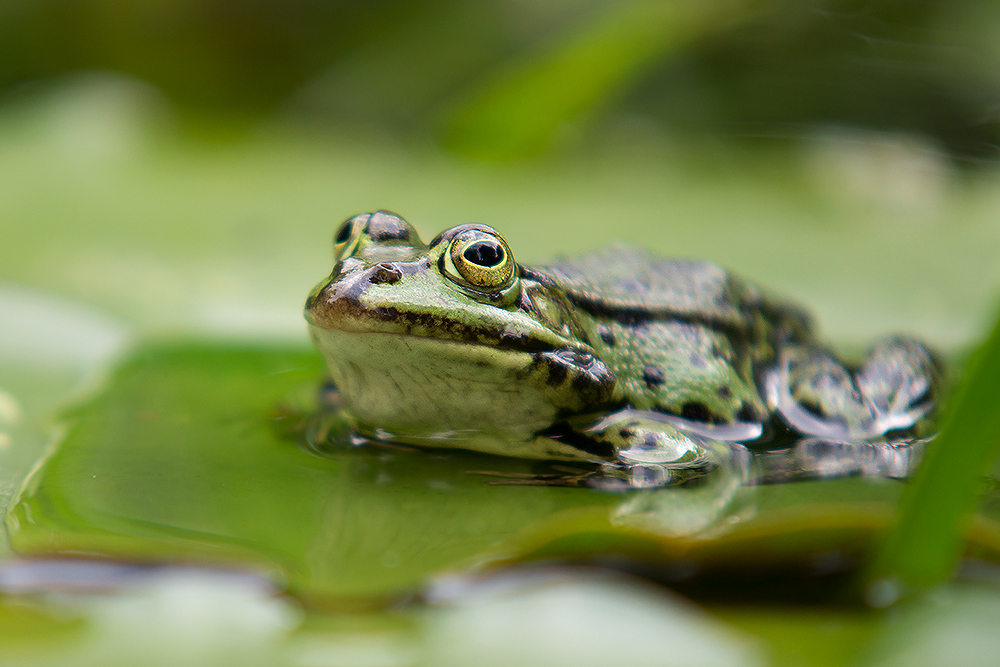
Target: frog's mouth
{"x": 337, "y": 306}
{"x": 416, "y": 325}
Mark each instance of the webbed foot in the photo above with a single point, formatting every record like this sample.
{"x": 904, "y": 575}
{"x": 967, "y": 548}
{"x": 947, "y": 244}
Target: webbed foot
{"x": 894, "y": 390}
{"x": 653, "y": 449}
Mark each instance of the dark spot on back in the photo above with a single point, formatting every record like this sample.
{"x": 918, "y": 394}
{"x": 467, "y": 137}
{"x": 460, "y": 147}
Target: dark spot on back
{"x": 696, "y": 412}
{"x": 747, "y": 413}
{"x": 581, "y": 382}
{"x": 650, "y": 441}
{"x": 557, "y": 374}
{"x": 652, "y": 376}
{"x": 725, "y": 392}
{"x": 606, "y": 334}
{"x": 626, "y": 433}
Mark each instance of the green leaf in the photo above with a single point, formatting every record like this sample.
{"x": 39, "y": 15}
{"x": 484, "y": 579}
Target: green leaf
{"x": 936, "y": 511}
{"x": 518, "y": 112}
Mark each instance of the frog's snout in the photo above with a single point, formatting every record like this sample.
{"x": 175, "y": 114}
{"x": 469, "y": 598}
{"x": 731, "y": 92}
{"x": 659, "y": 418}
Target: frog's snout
{"x": 340, "y": 295}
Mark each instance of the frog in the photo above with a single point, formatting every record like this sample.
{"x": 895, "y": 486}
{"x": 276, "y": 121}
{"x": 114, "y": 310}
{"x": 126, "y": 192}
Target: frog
{"x": 620, "y": 357}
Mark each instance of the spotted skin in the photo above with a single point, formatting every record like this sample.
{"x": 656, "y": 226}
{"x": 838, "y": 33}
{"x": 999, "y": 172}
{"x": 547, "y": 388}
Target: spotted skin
{"x": 667, "y": 365}
{"x": 618, "y": 356}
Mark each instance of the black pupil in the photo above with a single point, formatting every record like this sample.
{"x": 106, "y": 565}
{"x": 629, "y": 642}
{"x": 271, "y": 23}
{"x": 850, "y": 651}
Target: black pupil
{"x": 344, "y": 233}
{"x": 484, "y": 253}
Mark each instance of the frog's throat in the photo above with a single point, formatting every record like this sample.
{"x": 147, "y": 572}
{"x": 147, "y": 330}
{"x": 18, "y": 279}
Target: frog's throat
{"x": 413, "y": 386}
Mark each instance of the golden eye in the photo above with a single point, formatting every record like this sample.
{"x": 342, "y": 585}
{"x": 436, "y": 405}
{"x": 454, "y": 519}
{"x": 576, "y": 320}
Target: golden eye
{"x": 483, "y": 259}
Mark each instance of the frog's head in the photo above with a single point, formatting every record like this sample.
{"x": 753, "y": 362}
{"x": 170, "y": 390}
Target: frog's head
{"x": 448, "y": 321}
{"x": 465, "y": 286}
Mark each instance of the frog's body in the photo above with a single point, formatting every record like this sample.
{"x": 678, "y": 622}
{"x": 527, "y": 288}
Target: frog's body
{"x": 616, "y": 356}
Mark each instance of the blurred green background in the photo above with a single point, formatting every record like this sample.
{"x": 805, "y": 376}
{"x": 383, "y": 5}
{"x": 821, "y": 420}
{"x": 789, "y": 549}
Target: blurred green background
{"x": 175, "y": 169}
{"x": 182, "y": 165}
{"x": 731, "y": 68}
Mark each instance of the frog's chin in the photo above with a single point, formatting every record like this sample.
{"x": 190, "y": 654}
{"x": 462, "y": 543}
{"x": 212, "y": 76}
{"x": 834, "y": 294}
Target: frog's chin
{"x": 416, "y": 386}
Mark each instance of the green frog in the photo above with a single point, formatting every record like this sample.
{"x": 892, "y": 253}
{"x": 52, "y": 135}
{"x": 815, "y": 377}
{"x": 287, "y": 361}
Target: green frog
{"x": 618, "y": 357}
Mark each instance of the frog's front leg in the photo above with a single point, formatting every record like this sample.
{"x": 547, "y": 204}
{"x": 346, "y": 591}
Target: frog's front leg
{"x": 653, "y": 451}
{"x": 895, "y": 389}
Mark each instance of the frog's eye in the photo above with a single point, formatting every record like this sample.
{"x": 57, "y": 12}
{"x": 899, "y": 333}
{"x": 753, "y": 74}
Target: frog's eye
{"x": 346, "y": 234}
{"x": 483, "y": 259}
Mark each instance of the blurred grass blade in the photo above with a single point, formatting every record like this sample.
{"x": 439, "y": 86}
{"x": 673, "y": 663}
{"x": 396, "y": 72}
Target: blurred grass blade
{"x": 518, "y": 112}
{"x": 926, "y": 543}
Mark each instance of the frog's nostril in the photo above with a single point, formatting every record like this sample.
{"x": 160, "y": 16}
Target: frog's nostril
{"x": 385, "y": 273}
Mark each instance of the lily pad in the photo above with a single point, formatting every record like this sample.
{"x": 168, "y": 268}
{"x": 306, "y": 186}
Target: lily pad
{"x": 186, "y": 456}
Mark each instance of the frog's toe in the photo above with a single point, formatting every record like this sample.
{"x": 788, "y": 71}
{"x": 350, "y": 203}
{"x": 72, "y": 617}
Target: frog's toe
{"x": 641, "y": 443}
{"x": 665, "y": 447}
{"x": 817, "y": 395}
{"x": 900, "y": 381}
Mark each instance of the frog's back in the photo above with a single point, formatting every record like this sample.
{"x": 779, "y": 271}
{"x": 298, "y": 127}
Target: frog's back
{"x": 628, "y": 281}
{"x": 683, "y": 336}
